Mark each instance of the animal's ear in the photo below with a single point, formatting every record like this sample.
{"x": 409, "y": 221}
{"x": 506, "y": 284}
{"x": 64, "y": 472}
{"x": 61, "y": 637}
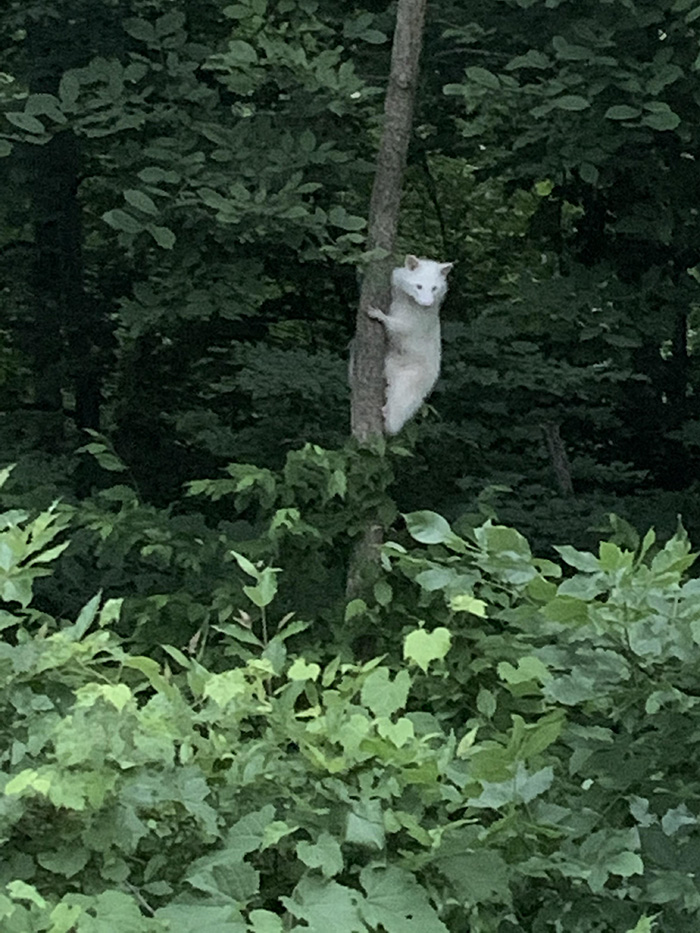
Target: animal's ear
{"x": 445, "y": 267}
{"x": 412, "y": 262}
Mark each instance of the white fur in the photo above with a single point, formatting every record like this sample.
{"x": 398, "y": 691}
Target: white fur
{"x": 412, "y": 362}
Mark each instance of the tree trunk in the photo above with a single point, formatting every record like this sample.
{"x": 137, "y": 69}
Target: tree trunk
{"x": 558, "y": 458}
{"x": 367, "y": 359}
{"x": 367, "y": 371}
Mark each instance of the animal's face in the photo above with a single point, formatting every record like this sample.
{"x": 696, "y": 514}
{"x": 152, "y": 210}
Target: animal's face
{"x": 424, "y": 280}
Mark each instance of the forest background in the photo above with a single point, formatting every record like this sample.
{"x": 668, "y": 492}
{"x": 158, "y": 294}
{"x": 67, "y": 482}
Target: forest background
{"x": 182, "y": 237}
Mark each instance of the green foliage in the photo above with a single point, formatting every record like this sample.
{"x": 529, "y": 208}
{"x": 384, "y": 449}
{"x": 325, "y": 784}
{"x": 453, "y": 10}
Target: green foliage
{"x": 530, "y": 759}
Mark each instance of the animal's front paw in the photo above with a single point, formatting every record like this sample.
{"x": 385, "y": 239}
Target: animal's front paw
{"x": 376, "y": 313}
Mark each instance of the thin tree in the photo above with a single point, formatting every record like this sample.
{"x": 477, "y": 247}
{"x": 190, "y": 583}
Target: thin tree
{"x": 367, "y": 369}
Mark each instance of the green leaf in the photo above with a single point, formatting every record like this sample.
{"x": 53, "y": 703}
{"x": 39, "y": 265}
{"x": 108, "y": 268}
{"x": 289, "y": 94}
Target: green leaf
{"x": 422, "y": 647}
{"x": 246, "y": 565}
{"x": 465, "y": 602}
{"x": 622, "y": 112}
{"x": 242, "y": 53}
{"x": 431, "y": 528}
{"x": 20, "y": 891}
{"x": 24, "y": 121}
{"x": 38, "y": 104}
{"x": 262, "y": 921}
{"x": 396, "y": 902}
{"x": 532, "y": 59}
{"x": 325, "y": 906}
{"x": 477, "y": 875}
{"x": 140, "y": 201}
{"x": 225, "y": 687}
{"x": 522, "y": 788}
{"x": 266, "y": 589}
{"x": 589, "y": 173}
{"x": 662, "y": 121}
{"x": 325, "y": 854}
{"x": 66, "y": 860}
{"x": 69, "y": 88}
{"x": 643, "y": 925}
{"x": 381, "y": 695}
{"x": 483, "y": 76}
{"x": 163, "y": 236}
{"x": 140, "y": 29}
{"x": 365, "y": 825}
{"x": 339, "y": 217}
{"x": 570, "y": 52}
{"x": 571, "y": 102}
{"x": 301, "y": 670}
{"x": 529, "y": 668}
{"x": 580, "y": 560}
{"x": 120, "y": 220}
{"x": 356, "y": 607}
{"x": 383, "y": 592}
{"x": 85, "y": 619}
{"x": 373, "y": 36}
{"x": 201, "y": 918}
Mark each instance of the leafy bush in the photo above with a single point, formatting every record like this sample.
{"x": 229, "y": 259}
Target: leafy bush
{"x": 526, "y": 764}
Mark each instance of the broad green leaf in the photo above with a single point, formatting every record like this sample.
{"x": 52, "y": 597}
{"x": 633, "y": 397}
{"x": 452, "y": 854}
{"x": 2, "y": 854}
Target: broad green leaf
{"x": 524, "y": 787}
{"x": 20, "y": 891}
{"x": 140, "y": 29}
{"x": 204, "y": 918}
{"x": 140, "y": 200}
{"x": 422, "y": 647}
{"x": 483, "y": 76}
{"x": 302, "y": 670}
{"x": 120, "y": 220}
{"x": 531, "y": 59}
{"x": 163, "y": 236}
{"x": 365, "y": 825}
{"x": 529, "y": 668}
{"x": 429, "y": 528}
{"x": 65, "y": 860}
{"x": 399, "y": 732}
{"x": 383, "y": 592}
{"x": 222, "y": 688}
{"x": 69, "y": 88}
{"x": 262, "y": 921}
{"x": 384, "y": 696}
{"x": 394, "y": 900}
{"x": 580, "y": 560}
{"x": 662, "y": 121}
{"x": 356, "y": 607}
{"x": 266, "y": 589}
{"x": 571, "y": 102}
{"x": 465, "y": 602}
{"x": 643, "y": 925}
{"x": 325, "y": 854}
{"x": 24, "y": 121}
{"x": 85, "y": 619}
{"x": 242, "y": 53}
{"x": 622, "y": 112}
{"x": 246, "y": 565}
{"x": 325, "y": 906}
{"x": 477, "y": 875}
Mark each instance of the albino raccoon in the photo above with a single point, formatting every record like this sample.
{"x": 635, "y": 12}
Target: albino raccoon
{"x": 412, "y": 362}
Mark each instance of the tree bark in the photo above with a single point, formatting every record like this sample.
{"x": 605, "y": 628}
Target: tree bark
{"x": 558, "y": 458}
{"x": 367, "y": 366}
{"x": 367, "y": 357}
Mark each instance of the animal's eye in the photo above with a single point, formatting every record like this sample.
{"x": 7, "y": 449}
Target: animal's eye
{"x": 419, "y": 287}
